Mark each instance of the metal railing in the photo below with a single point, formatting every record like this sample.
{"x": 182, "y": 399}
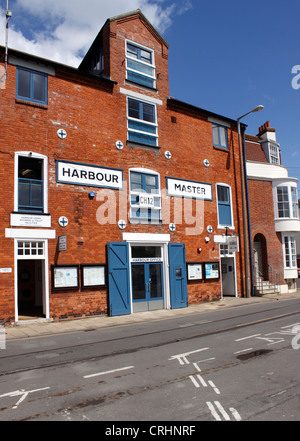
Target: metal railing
{"x": 270, "y": 286}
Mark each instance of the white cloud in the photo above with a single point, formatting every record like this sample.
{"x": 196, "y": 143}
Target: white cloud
{"x": 64, "y": 30}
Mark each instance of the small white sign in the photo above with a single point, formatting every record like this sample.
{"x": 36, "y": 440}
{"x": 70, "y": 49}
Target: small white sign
{"x": 233, "y": 244}
{"x": 30, "y": 220}
{"x": 191, "y": 189}
{"x": 146, "y": 200}
{"x": 5, "y": 270}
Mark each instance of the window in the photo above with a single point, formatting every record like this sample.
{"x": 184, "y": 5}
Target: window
{"x": 31, "y": 86}
{"x": 294, "y": 195}
{"x": 274, "y": 154}
{"x": 30, "y": 184}
{"x": 142, "y": 125}
{"x": 290, "y": 252}
{"x": 31, "y": 248}
{"x": 224, "y": 206}
{"x": 31, "y": 190}
{"x": 145, "y": 198}
{"x": 140, "y": 65}
{"x": 287, "y": 202}
{"x": 220, "y": 138}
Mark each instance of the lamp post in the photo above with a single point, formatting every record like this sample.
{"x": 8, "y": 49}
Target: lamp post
{"x": 245, "y": 211}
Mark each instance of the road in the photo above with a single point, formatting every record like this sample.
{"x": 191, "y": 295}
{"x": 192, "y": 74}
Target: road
{"x": 236, "y": 364}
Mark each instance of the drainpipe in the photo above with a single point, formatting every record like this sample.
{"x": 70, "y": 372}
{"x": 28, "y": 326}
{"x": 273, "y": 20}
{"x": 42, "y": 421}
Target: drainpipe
{"x": 248, "y": 216}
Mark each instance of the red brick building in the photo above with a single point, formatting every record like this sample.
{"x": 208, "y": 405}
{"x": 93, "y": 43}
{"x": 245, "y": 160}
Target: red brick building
{"x": 274, "y": 214}
{"x": 116, "y": 198}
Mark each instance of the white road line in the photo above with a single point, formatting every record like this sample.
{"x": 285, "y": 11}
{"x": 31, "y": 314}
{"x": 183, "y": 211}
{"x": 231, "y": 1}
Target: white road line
{"x": 182, "y": 357}
{"x": 222, "y": 410}
{"x": 213, "y": 411}
{"x": 235, "y": 413}
{"x": 197, "y": 367}
{"x": 108, "y": 372}
{"x": 245, "y": 338}
{"x": 201, "y": 380}
{"x": 243, "y": 350}
{"x": 196, "y": 384}
{"x": 214, "y": 387}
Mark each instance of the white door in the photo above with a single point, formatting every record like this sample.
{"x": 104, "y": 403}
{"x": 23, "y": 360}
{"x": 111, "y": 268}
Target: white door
{"x": 228, "y": 276}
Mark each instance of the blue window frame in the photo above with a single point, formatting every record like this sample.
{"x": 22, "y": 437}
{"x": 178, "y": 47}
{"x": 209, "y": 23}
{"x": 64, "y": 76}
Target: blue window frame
{"x": 224, "y": 206}
{"x": 145, "y": 198}
{"x": 140, "y": 65}
{"x": 32, "y": 86}
{"x": 30, "y": 185}
{"x": 220, "y": 137}
{"x": 142, "y": 126}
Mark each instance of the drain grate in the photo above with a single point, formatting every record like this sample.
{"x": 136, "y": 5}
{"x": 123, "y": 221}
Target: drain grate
{"x": 253, "y": 354}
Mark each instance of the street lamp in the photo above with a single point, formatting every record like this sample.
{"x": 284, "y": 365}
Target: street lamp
{"x": 245, "y": 211}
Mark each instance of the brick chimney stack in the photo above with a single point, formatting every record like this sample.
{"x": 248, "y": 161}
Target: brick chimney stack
{"x": 266, "y": 132}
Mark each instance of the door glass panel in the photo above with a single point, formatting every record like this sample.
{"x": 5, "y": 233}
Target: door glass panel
{"x": 138, "y": 282}
{"x": 155, "y": 280}
{"x": 147, "y": 251}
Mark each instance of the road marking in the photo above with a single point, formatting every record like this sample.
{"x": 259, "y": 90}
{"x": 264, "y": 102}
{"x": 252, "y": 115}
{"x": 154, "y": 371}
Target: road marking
{"x": 211, "y": 383}
{"x": 245, "y": 338}
{"x": 235, "y": 413}
{"x": 23, "y": 394}
{"x": 108, "y": 372}
{"x": 243, "y": 350}
{"x": 213, "y": 411}
{"x": 196, "y": 384}
{"x": 182, "y": 357}
{"x": 222, "y": 411}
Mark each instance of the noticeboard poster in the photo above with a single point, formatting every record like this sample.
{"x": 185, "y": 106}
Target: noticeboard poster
{"x": 65, "y": 277}
{"x": 194, "y": 271}
{"x": 212, "y": 270}
{"x": 93, "y": 275}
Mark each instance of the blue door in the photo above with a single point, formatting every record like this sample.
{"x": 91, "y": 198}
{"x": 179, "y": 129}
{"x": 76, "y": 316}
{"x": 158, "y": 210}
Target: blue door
{"x": 147, "y": 286}
{"x": 118, "y": 278}
{"x": 178, "y": 278}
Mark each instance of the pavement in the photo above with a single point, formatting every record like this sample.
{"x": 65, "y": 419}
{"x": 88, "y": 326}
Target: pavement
{"x": 44, "y": 327}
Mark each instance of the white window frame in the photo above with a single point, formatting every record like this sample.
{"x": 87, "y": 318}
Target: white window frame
{"x": 274, "y": 158}
{"x": 289, "y": 240}
{"x": 134, "y": 219}
{"x": 45, "y": 178}
{"x": 293, "y": 205}
{"x": 155, "y": 125}
{"x": 152, "y": 65}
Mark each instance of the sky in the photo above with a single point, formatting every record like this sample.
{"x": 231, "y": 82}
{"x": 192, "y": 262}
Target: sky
{"x": 224, "y": 56}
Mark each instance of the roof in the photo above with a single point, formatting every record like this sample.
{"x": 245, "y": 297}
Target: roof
{"x": 125, "y": 16}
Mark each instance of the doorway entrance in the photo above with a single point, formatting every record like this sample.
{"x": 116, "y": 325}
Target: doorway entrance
{"x": 260, "y": 257}
{"x": 30, "y": 288}
{"x": 147, "y": 286}
{"x": 147, "y": 278}
{"x": 228, "y": 276}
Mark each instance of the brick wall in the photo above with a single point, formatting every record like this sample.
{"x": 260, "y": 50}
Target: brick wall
{"x": 93, "y": 112}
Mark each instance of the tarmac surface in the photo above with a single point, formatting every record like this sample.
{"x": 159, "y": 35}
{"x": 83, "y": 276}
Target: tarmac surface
{"x": 45, "y": 327}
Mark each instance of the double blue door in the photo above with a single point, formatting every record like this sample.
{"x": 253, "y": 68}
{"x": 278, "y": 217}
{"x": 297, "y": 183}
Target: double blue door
{"x": 147, "y": 280}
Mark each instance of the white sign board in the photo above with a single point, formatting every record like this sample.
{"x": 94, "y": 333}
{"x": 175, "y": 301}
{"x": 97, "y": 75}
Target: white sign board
{"x": 190, "y": 189}
{"x": 30, "y": 220}
{"x": 146, "y": 200}
{"x": 233, "y": 244}
{"x": 90, "y": 175}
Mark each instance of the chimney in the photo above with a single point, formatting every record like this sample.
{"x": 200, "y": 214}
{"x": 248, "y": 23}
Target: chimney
{"x": 266, "y": 132}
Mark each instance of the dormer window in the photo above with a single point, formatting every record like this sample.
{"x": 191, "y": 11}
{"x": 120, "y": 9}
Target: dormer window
{"x": 274, "y": 154}
{"x": 140, "y": 65}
